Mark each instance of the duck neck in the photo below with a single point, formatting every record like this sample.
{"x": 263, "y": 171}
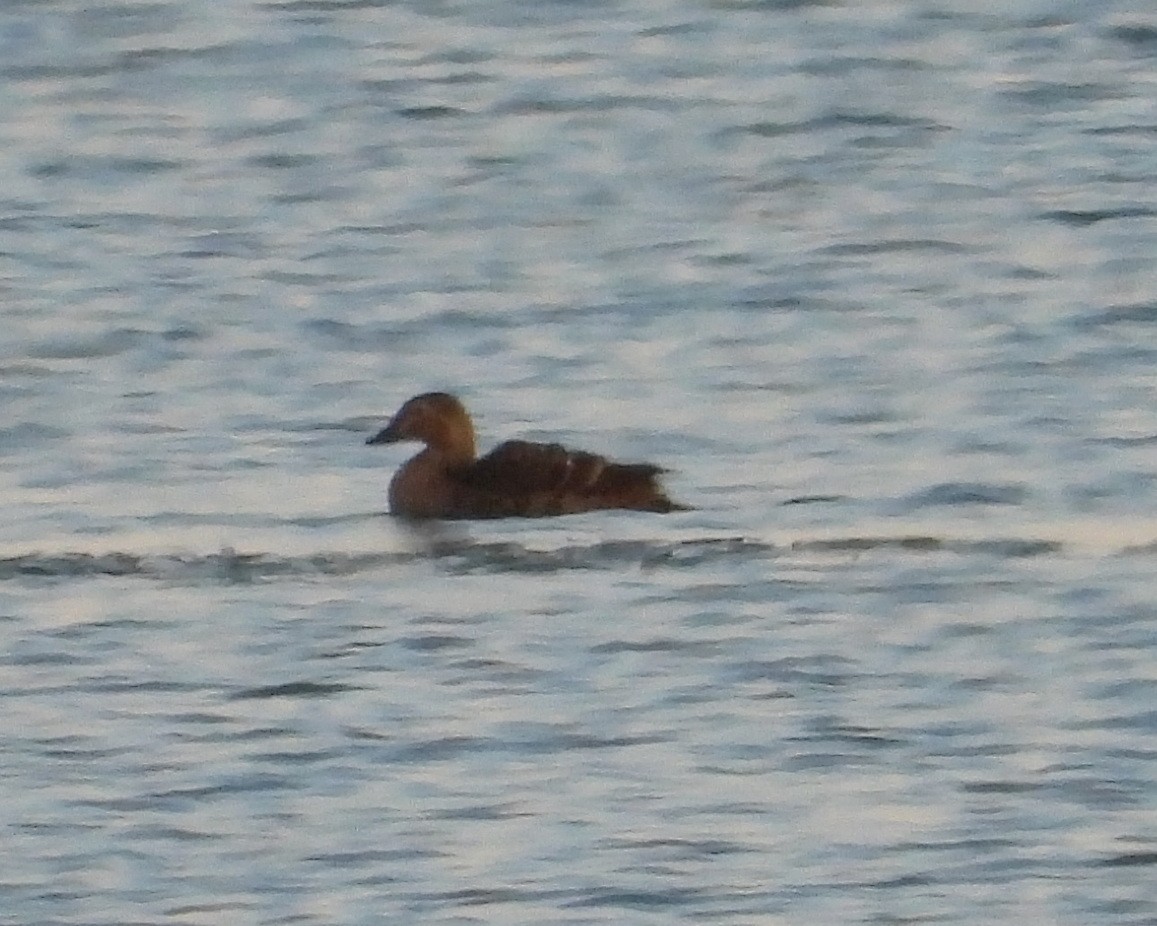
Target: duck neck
{"x": 454, "y": 446}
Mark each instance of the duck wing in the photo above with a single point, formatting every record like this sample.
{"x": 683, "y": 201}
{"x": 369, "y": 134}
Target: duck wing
{"x": 531, "y": 479}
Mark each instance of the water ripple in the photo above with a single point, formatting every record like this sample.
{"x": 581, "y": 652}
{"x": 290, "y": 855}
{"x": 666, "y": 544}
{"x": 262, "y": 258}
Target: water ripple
{"x": 229, "y": 566}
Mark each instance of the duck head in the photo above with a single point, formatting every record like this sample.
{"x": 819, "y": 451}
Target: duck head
{"x": 436, "y": 419}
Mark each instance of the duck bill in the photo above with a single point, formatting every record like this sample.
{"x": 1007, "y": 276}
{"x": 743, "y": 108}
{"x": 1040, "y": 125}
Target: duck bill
{"x": 388, "y": 435}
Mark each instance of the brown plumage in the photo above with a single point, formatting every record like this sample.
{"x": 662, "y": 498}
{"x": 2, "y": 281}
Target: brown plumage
{"x": 516, "y": 479}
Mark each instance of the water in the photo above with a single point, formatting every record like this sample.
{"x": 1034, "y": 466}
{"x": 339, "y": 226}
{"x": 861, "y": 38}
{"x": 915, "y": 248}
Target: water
{"x": 875, "y": 280}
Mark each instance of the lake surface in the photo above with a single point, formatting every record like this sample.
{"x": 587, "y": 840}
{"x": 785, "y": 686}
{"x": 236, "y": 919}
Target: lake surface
{"x": 875, "y": 280}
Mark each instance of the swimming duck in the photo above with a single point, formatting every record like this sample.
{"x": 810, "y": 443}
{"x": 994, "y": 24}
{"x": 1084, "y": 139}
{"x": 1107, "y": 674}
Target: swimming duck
{"x": 517, "y": 479}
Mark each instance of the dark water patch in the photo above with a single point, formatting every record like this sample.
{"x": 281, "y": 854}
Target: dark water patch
{"x": 479, "y": 812}
{"x": 1139, "y": 313}
{"x": 689, "y": 27}
{"x": 566, "y": 742}
{"x": 353, "y": 337}
{"x": 970, "y": 847}
{"x": 140, "y": 686}
{"x": 958, "y": 494}
{"x": 177, "y": 798}
{"x": 824, "y": 761}
{"x": 198, "y": 717}
{"x": 1141, "y": 721}
{"x": 636, "y": 899}
{"x": 1097, "y": 794}
{"x": 88, "y": 166}
{"x": 1081, "y": 218}
{"x": 828, "y": 65}
{"x": 763, "y": 299}
{"x": 598, "y": 103}
{"x": 1128, "y": 860}
{"x": 457, "y": 55}
{"x": 222, "y": 244}
{"x": 392, "y": 337}
{"x": 484, "y": 896}
{"x": 214, "y": 909}
{"x": 441, "y": 749}
{"x": 54, "y": 658}
{"x": 497, "y": 671}
{"x": 1013, "y": 548}
{"x": 903, "y": 881}
{"x": 683, "y": 849}
{"x": 972, "y": 750}
{"x": 833, "y": 729}
{"x": 298, "y": 689}
{"x": 863, "y": 544}
{"x": 1140, "y": 549}
{"x": 180, "y": 834}
{"x": 303, "y": 758}
{"x": 281, "y": 160}
{"x": 266, "y": 128}
{"x": 833, "y": 743}
{"x": 84, "y": 753}
{"x": 428, "y": 643}
{"x": 896, "y": 246}
{"x": 28, "y": 433}
{"x": 359, "y": 734}
{"x": 182, "y": 332}
{"x": 771, "y": 129}
{"x": 108, "y": 344}
{"x": 327, "y": 6}
{"x": 1056, "y": 95}
{"x": 771, "y": 5}
{"x": 839, "y": 119}
{"x": 1002, "y": 787}
{"x": 305, "y": 196}
{"x": 351, "y": 648}
{"x": 122, "y": 20}
{"x": 812, "y": 500}
{"x": 862, "y": 417}
{"x": 1140, "y": 129}
{"x": 250, "y": 735}
{"x": 835, "y": 120}
{"x": 256, "y": 782}
{"x": 430, "y": 112}
{"x": 662, "y": 645}
{"x": 33, "y": 371}
{"x": 343, "y": 860}
{"x": 1142, "y": 440}
{"x": 538, "y": 740}
{"x": 1129, "y": 689}
{"x": 1140, "y": 37}
{"x": 812, "y": 671}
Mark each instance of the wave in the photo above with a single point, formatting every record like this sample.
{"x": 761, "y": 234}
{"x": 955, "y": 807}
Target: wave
{"x": 463, "y": 556}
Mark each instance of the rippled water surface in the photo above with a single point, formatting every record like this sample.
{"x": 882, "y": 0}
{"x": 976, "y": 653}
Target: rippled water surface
{"x": 875, "y": 280}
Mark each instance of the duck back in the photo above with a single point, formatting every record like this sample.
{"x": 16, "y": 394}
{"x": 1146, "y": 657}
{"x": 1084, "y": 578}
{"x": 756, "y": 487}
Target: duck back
{"x": 521, "y": 478}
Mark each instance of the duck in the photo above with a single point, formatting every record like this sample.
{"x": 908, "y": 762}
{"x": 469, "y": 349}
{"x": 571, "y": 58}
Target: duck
{"x": 447, "y": 480}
